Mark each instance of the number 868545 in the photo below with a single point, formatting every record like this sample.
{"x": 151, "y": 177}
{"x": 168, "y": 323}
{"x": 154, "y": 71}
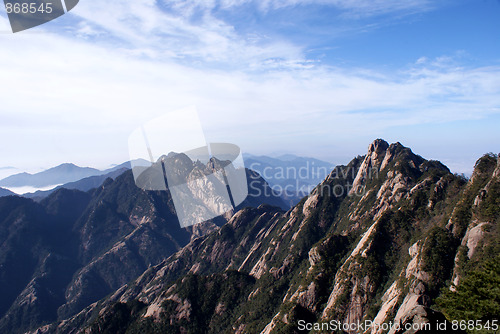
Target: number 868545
{"x": 28, "y": 7}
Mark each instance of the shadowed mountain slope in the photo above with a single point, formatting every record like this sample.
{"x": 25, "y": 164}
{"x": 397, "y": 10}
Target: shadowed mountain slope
{"x": 73, "y": 248}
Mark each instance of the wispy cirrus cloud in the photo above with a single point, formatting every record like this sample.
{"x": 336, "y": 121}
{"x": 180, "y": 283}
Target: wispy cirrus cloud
{"x": 145, "y": 28}
{"x": 359, "y": 8}
{"x": 196, "y": 31}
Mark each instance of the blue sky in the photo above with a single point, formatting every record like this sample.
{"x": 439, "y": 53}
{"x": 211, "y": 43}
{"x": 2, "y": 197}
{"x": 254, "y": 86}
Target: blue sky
{"x": 321, "y": 78}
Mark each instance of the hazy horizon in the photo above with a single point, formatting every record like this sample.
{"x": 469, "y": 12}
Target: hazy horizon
{"x": 6, "y": 171}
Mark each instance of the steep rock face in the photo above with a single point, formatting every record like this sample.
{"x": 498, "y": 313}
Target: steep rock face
{"x": 371, "y": 164}
{"x": 83, "y": 247}
{"x": 32, "y": 259}
{"x": 122, "y": 232}
{"x": 475, "y": 217}
{"x": 382, "y": 252}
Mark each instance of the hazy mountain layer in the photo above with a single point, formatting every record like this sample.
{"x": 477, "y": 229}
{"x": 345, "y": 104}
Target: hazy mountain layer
{"x": 57, "y": 175}
{"x": 6, "y": 192}
{"x": 84, "y": 184}
{"x": 62, "y": 174}
{"x": 291, "y": 176}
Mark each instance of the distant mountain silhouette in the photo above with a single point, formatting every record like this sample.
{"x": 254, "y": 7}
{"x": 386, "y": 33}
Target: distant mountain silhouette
{"x": 83, "y": 185}
{"x": 6, "y": 192}
{"x": 64, "y": 173}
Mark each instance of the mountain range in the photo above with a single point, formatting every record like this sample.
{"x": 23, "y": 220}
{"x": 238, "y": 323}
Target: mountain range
{"x": 290, "y": 176}
{"x": 72, "y": 248}
{"x": 62, "y": 174}
{"x": 57, "y": 175}
{"x": 84, "y": 184}
{"x": 390, "y": 239}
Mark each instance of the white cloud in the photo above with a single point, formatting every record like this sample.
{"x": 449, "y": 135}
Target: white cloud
{"x": 76, "y": 96}
{"x": 71, "y": 101}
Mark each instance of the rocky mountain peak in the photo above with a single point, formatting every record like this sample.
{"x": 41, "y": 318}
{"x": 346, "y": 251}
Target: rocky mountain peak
{"x": 179, "y": 162}
{"x": 377, "y": 150}
{"x": 380, "y": 155}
